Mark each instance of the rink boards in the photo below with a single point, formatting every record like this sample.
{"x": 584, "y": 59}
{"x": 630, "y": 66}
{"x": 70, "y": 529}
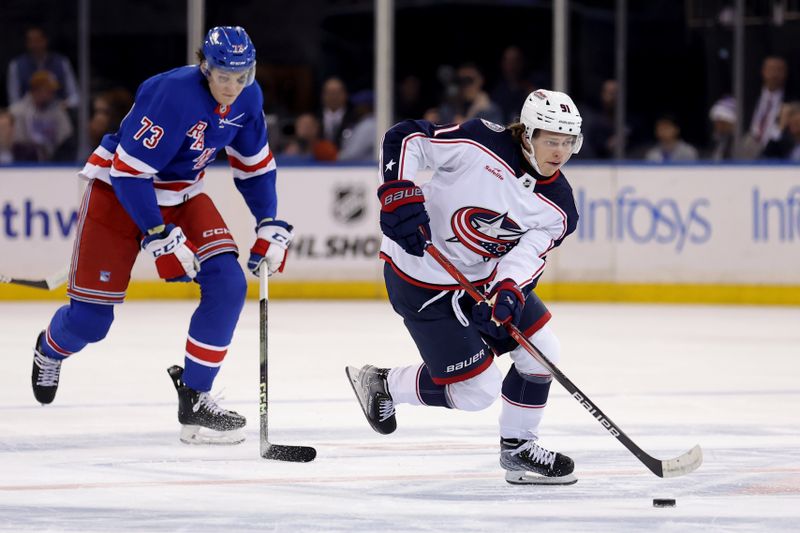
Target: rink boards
{"x": 646, "y": 233}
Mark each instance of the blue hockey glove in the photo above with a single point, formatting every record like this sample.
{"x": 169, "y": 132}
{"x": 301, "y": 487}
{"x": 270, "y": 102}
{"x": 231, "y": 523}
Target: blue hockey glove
{"x": 176, "y": 257}
{"x": 505, "y": 306}
{"x": 273, "y": 238}
{"x": 402, "y": 213}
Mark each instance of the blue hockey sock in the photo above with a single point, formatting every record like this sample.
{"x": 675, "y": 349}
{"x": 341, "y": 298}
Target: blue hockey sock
{"x": 429, "y": 392}
{"x": 74, "y": 326}
{"x": 526, "y": 390}
{"x": 223, "y": 289}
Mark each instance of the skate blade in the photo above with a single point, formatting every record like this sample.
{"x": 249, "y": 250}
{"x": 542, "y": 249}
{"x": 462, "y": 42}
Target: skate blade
{"x": 353, "y": 375}
{"x": 521, "y": 477}
{"x": 209, "y": 437}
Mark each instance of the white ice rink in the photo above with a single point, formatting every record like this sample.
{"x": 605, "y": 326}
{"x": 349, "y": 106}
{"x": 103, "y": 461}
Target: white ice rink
{"x": 105, "y": 456}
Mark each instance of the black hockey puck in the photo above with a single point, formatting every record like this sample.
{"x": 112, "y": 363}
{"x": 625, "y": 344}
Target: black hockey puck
{"x": 663, "y": 502}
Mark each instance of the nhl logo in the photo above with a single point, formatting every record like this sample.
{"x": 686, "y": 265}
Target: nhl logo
{"x": 527, "y": 182}
{"x": 349, "y": 203}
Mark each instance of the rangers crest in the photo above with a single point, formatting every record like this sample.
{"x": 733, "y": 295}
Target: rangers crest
{"x": 485, "y": 232}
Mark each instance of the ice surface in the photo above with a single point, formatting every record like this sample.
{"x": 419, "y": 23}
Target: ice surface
{"x": 105, "y": 455}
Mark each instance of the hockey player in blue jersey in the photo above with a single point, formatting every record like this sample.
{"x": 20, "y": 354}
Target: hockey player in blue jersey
{"x": 496, "y": 205}
{"x": 145, "y": 194}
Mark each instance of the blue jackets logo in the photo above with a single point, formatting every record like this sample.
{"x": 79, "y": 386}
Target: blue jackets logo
{"x": 485, "y": 232}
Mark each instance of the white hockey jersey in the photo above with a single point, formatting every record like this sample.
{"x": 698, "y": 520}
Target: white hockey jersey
{"x": 490, "y": 217}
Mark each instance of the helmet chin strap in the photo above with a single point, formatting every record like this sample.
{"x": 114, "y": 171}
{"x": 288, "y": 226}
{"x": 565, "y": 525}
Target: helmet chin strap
{"x": 532, "y": 158}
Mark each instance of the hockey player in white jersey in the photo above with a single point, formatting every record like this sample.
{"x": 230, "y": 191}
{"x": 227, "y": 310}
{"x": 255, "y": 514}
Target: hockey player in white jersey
{"x": 496, "y": 205}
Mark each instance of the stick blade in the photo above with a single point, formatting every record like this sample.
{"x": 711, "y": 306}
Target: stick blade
{"x": 683, "y": 464}
{"x": 294, "y": 454}
{"x": 58, "y": 279}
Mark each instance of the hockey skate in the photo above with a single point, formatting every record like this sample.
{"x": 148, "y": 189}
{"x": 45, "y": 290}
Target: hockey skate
{"x": 46, "y": 372}
{"x": 372, "y": 391}
{"x": 527, "y": 463}
{"x": 202, "y": 420}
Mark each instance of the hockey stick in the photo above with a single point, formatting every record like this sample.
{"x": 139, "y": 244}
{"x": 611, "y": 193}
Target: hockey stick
{"x": 683, "y": 464}
{"x": 278, "y": 452}
{"x": 53, "y": 281}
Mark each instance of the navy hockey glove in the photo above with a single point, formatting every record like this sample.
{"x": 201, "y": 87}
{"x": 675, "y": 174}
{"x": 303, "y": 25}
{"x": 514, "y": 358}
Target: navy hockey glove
{"x": 176, "y": 257}
{"x": 505, "y": 307}
{"x": 402, "y": 214}
{"x": 273, "y": 238}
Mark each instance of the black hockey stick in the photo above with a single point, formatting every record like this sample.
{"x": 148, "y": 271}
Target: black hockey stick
{"x": 49, "y": 283}
{"x": 683, "y": 464}
{"x": 278, "y": 452}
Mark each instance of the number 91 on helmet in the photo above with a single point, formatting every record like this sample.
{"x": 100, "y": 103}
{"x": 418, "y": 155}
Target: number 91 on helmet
{"x": 551, "y": 111}
{"x": 228, "y": 50}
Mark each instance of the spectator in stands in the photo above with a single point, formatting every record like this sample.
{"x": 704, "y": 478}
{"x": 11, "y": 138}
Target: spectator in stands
{"x": 11, "y": 149}
{"x": 408, "y": 101}
{"x": 670, "y": 147}
{"x": 307, "y": 141}
{"x": 723, "y": 124}
{"x": 764, "y": 125}
{"x": 37, "y": 58}
{"x": 514, "y": 86}
{"x": 41, "y": 119}
{"x": 358, "y": 142}
{"x": 599, "y": 138}
{"x": 336, "y": 116}
{"x": 108, "y": 110}
{"x": 471, "y": 101}
{"x": 787, "y": 146}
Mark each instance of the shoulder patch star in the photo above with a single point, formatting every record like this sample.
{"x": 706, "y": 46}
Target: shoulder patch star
{"x": 389, "y": 165}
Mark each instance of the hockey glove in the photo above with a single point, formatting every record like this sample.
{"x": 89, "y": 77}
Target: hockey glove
{"x": 273, "y": 238}
{"x": 505, "y": 307}
{"x": 402, "y": 213}
{"x": 175, "y": 256}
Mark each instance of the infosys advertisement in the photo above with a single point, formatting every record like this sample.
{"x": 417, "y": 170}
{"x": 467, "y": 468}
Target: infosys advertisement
{"x": 638, "y": 224}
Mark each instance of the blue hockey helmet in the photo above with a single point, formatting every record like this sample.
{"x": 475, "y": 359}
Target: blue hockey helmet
{"x": 230, "y": 48}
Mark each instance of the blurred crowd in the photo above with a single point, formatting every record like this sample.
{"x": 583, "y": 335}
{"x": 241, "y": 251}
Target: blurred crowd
{"x": 339, "y": 124}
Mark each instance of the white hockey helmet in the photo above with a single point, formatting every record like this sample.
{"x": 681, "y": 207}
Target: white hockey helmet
{"x": 550, "y": 111}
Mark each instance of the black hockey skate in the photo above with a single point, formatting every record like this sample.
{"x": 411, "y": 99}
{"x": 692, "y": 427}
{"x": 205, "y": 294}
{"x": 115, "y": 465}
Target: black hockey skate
{"x": 203, "y": 421}
{"x": 521, "y": 457}
{"x": 372, "y": 391}
{"x": 46, "y": 372}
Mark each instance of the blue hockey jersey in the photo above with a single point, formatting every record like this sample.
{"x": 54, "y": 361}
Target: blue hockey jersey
{"x": 174, "y": 130}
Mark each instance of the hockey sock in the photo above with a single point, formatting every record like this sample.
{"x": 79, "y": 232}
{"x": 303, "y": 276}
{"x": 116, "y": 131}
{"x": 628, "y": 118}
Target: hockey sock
{"x": 524, "y": 399}
{"x": 74, "y": 326}
{"x": 222, "y": 292}
{"x": 413, "y": 385}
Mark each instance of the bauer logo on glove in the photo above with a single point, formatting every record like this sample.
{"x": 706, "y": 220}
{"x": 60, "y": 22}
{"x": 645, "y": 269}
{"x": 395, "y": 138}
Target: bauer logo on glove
{"x": 403, "y": 214}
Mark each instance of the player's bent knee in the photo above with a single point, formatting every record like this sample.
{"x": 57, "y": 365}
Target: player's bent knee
{"x": 222, "y": 274}
{"x": 478, "y": 392}
{"x": 546, "y": 341}
{"x": 89, "y": 321}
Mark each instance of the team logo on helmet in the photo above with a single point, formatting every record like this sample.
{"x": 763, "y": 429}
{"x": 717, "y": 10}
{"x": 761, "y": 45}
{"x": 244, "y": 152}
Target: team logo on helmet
{"x": 485, "y": 232}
